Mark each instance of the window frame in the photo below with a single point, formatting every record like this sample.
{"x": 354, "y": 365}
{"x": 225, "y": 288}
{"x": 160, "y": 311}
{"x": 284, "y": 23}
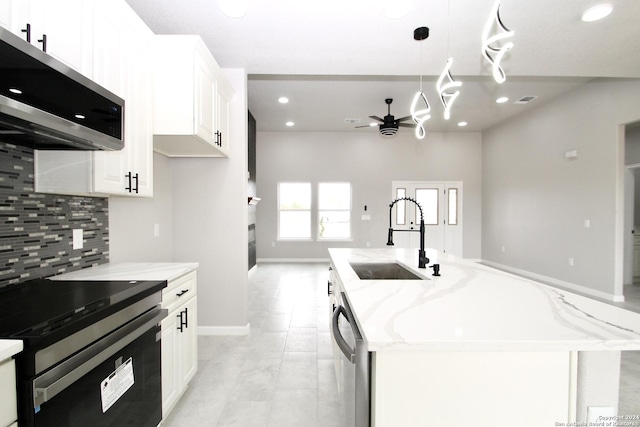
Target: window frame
{"x": 318, "y": 211}
{"x": 280, "y": 210}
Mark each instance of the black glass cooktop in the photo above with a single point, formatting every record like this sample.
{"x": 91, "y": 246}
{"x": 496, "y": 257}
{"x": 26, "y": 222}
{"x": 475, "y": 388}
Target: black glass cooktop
{"x": 39, "y": 307}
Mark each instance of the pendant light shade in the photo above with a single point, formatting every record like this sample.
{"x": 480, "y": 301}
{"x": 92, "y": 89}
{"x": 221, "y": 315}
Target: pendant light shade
{"x": 447, "y": 91}
{"x": 493, "y": 45}
{"x": 420, "y": 110}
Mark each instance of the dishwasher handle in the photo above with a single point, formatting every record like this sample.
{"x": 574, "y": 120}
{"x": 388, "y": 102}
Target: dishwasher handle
{"x": 349, "y": 353}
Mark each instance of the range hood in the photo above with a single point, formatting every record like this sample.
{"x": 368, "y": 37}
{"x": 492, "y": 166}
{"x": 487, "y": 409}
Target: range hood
{"x": 44, "y": 104}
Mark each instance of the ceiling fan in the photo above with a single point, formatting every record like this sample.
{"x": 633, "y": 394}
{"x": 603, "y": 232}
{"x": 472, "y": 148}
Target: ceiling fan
{"x": 389, "y": 125}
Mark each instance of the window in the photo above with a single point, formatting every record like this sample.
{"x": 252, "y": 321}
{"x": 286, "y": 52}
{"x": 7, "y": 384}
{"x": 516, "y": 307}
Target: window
{"x": 453, "y": 206}
{"x": 294, "y": 210}
{"x": 334, "y": 210}
{"x": 428, "y": 199}
{"x": 401, "y": 214}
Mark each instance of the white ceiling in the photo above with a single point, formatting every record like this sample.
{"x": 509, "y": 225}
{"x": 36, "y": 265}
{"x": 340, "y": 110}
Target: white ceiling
{"x": 339, "y": 59}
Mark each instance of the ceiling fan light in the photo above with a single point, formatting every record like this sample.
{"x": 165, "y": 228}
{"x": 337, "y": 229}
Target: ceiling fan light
{"x": 597, "y": 12}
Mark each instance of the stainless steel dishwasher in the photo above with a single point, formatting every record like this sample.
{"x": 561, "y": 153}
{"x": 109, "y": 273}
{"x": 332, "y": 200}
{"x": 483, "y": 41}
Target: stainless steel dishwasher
{"x": 354, "y": 384}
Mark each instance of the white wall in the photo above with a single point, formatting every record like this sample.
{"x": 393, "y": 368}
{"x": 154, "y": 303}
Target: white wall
{"x": 535, "y": 201}
{"x": 132, "y": 221}
{"x": 370, "y": 163}
{"x": 201, "y": 206}
{"x": 210, "y": 223}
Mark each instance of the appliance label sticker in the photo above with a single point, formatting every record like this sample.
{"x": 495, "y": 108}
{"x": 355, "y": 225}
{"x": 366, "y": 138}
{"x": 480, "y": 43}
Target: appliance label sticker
{"x": 116, "y": 384}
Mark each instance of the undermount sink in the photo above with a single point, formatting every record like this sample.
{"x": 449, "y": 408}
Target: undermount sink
{"x": 383, "y": 271}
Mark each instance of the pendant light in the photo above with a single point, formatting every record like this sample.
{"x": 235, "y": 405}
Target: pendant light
{"x": 420, "y": 107}
{"x": 490, "y": 46}
{"x": 448, "y": 92}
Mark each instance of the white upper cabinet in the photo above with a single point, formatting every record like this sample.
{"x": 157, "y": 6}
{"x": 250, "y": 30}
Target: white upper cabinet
{"x": 61, "y": 28}
{"x": 191, "y": 107}
{"x": 121, "y": 46}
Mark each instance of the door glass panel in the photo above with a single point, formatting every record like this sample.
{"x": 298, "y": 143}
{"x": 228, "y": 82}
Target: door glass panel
{"x": 401, "y": 214}
{"x": 428, "y": 200}
{"x": 453, "y": 206}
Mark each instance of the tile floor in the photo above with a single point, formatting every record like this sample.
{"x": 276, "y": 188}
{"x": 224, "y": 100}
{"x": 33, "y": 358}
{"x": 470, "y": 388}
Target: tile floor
{"x": 282, "y": 373}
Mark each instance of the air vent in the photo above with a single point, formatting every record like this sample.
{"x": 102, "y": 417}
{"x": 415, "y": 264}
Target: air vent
{"x": 352, "y": 121}
{"x": 525, "y": 99}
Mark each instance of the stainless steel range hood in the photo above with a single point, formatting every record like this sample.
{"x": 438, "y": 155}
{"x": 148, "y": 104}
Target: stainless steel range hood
{"x": 44, "y": 104}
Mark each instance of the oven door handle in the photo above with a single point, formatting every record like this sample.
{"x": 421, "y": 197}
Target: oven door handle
{"x": 349, "y": 353}
{"x": 49, "y": 384}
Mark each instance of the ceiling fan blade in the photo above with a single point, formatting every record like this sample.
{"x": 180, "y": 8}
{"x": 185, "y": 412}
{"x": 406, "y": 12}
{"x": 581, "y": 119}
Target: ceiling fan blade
{"x": 376, "y": 118}
{"x": 404, "y": 118}
{"x": 363, "y": 126}
{"x": 406, "y": 125}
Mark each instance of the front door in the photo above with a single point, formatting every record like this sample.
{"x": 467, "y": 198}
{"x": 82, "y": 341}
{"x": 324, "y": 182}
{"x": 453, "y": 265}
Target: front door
{"x": 441, "y": 206}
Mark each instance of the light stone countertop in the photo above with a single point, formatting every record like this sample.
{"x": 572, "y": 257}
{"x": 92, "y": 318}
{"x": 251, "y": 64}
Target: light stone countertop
{"x": 9, "y": 348}
{"x": 131, "y": 271}
{"x": 472, "y": 307}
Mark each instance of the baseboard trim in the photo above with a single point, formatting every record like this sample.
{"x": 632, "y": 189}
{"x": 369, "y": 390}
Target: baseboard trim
{"x": 300, "y": 260}
{"x": 224, "y": 330}
{"x": 555, "y": 282}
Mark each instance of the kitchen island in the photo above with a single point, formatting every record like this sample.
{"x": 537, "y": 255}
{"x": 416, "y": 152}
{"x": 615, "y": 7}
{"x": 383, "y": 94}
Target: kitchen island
{"x": 477, "y": 346}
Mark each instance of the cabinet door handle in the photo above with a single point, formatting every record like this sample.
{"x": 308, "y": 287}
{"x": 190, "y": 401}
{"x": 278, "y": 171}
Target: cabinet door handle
{"x": 184, "y": 291}
{"x": 186, "y": 318}
{"x": 137, "y": 182}
{"x": 329, "y": 290}
{"x": 27, "y": 30}
{"x": 181, "y": 324}
{"x": 128, "y": 176}
{"x": 43, "y": 40}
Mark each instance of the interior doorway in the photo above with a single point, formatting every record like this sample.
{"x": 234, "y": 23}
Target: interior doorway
{"x": 631, "y": 227}
{"x": 441, "y": 203}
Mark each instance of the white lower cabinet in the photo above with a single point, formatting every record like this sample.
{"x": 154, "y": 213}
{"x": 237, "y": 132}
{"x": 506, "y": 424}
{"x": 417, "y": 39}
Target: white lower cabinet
{"x": 179, "y": 339}
{"x": 8, "y": 402}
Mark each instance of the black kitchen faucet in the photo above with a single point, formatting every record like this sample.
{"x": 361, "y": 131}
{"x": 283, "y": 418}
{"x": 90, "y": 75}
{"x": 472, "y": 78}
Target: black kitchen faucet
{"x": 422, "y": 256}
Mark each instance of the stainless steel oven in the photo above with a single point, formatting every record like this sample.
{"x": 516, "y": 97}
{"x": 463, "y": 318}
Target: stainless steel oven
{"x": 96, "y": 365}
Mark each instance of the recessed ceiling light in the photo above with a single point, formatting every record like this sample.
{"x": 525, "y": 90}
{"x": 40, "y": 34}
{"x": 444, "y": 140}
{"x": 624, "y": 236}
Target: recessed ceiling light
{"x": 396, "y": 9}
{"x": 233, "y": 8}
{"x": 597, "y": 12}
{"x": 283, "y": 100}
{"x": 462, "y": 124}
{"x": 289, "y": 124}
{"x": 15, "y": 90}
{"x": 80, "y": 116}
{"x": 374, "y": 124}
{"x": 502, "y": 100}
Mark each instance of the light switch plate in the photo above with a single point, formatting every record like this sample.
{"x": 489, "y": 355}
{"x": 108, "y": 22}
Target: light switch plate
{"x": 77, "y": 238}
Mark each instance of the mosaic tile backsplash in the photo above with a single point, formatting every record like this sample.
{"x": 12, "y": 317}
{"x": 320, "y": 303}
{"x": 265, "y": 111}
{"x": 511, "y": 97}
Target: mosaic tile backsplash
{"x": 36, "y": 229}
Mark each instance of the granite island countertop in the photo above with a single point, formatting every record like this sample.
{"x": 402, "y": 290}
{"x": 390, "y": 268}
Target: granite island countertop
{"x": 131, "y": 271}
{"x": 472, "y": 307}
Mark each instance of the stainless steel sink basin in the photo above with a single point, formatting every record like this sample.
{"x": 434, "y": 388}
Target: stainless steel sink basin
{"x": 383, "y": 271}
